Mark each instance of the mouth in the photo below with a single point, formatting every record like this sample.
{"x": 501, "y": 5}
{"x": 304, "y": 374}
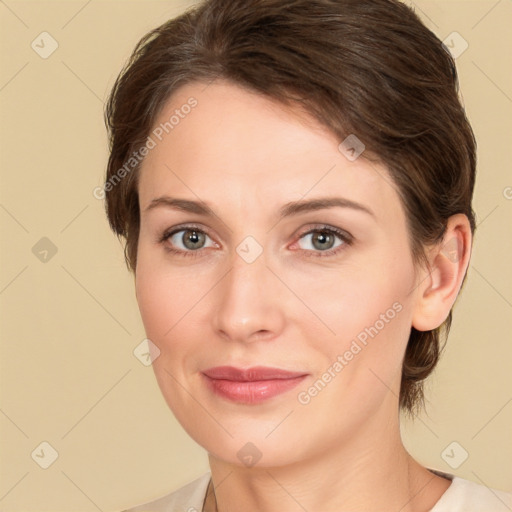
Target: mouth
{"x": 252, "y": 385}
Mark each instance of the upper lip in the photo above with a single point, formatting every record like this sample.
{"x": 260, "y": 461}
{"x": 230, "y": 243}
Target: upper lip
{"x": 250, "y": 374}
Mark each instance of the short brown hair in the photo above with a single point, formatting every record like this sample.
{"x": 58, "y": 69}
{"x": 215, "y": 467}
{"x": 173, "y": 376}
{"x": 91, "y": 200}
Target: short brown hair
{"x": 364, "y": 67}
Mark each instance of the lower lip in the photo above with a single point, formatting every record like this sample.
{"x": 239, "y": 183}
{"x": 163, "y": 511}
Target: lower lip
{"x": 252, "y": 392}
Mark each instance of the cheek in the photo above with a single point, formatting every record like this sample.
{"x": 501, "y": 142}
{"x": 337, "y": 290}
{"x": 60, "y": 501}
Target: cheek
{"x": 368, "y": 311}
{"x": 162, "y": 290}
{"x": 352, "y": 299}
{"x": 159, "y": 297}
{"x": 358, "y": 366}
{"x": 171, "y": 300}
{"x": 154, "y": 299}
{"x": 165, "y": 303}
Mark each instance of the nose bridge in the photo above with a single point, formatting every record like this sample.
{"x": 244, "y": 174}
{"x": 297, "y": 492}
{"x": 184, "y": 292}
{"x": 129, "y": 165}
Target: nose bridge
{"x": 247, "y": 305}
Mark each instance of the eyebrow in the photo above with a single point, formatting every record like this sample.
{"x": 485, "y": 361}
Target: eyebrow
{"x": 289, "y": 209}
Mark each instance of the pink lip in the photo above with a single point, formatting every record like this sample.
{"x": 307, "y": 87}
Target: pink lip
{"x": 252, "y": 385}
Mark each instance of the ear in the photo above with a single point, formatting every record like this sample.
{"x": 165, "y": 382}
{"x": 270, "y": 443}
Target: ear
{"x": 448, "y": 262}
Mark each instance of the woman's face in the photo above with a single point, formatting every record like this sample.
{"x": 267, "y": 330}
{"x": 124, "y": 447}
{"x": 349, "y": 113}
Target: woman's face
{"x": 325, "y": 292}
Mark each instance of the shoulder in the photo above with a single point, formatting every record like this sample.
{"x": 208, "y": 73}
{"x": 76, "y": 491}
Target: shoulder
{"x": 467, "y": 496}
{"x": 188, "y": 498}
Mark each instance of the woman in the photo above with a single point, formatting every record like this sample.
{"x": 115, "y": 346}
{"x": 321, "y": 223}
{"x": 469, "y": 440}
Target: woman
{"x": 294, "y": 180}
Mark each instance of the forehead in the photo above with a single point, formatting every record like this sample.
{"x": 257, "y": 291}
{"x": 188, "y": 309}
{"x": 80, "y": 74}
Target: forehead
{"x": 238, "y": 148}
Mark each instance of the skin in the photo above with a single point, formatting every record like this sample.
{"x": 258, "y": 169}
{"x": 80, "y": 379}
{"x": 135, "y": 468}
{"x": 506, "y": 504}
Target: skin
{"x": 247, "y": 156}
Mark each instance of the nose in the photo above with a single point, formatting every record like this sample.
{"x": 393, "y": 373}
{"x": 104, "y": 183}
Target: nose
{"x": 250, "y": 302}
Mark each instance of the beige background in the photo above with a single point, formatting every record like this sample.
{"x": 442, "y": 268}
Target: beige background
{"x": 69, "y": 325}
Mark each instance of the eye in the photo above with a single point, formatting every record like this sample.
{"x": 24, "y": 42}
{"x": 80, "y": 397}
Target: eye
{"x": 322, "y": 239}
{"x": 185, "y": 240}
{"x": 190, "y": 240}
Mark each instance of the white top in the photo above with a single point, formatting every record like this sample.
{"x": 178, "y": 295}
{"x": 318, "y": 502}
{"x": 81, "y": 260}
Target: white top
{"x": 462, "y": 496}
{"x": 188, "y": 498}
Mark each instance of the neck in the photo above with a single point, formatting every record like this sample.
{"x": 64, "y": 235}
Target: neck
{"x": 369, "y": 471}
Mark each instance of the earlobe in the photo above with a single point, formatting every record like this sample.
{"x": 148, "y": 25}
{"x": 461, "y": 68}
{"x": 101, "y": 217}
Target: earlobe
{"x": 448, "y": 262}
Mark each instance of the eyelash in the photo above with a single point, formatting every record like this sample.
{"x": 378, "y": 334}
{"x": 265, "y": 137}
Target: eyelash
{"x": 345, "y": 237}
